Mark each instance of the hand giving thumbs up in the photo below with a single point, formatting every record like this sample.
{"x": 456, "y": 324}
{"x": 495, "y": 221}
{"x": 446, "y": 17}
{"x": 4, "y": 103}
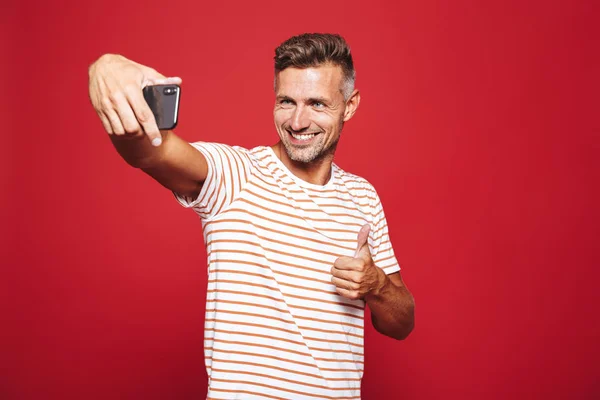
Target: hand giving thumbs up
{"x": 355, "y": 277}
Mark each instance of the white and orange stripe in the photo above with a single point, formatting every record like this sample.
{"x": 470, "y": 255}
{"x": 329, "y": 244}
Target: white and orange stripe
{"x": 275, "y": 327}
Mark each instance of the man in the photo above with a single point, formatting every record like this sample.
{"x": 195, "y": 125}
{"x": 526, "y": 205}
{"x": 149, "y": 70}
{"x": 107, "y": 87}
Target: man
{"x": 296, "y": 245}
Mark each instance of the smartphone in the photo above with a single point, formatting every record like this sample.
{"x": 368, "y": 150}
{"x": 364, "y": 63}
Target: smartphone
{"x": 164, "y": 103}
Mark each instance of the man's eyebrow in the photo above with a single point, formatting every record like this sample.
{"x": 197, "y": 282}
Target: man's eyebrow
{"x": 318, "y": 100}
{"x": 310, "y": 100}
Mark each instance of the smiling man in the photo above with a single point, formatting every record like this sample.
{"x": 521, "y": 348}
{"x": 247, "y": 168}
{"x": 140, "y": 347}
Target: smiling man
{"x": 296, "y": 246}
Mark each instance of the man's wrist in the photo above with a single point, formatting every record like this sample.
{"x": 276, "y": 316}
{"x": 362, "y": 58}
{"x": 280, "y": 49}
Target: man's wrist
{"x": 382, "y": 281}
{"x": 137, "y": 150}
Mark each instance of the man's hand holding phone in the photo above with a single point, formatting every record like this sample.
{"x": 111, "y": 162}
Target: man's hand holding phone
{"x": 115, "y": 90}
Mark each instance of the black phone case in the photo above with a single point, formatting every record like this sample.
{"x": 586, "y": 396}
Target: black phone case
{"x": 164, "y": 103}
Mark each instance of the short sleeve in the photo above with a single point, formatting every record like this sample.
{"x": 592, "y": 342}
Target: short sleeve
{"x": 229, "y": 168}
{"x": 381, "y": 249}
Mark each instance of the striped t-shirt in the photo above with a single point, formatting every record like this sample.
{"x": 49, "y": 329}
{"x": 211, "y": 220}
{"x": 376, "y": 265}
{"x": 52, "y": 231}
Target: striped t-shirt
{"x": 275, "y": 327}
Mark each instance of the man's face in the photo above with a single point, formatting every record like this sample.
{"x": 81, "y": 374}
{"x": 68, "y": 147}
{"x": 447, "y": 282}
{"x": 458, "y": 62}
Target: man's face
{"x": 310, "y": 111}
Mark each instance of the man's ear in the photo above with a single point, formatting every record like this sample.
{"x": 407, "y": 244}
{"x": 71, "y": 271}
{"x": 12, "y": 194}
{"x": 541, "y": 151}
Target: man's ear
{"x": 351, "y": 105}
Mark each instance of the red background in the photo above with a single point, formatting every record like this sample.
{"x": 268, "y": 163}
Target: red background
{"x": 478, "y": 126}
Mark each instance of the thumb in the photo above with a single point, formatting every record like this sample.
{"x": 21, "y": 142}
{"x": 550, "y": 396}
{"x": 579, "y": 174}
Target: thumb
{"x": 173, "y": 80}
{"x": 363, "y": 241}
{"x": 153, "y": 77}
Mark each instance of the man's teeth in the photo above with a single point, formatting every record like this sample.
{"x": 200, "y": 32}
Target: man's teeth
{"x": 303, "y": 137}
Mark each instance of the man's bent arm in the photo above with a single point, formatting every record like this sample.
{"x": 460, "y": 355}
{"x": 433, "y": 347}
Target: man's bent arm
{"x": 392, "y": 306}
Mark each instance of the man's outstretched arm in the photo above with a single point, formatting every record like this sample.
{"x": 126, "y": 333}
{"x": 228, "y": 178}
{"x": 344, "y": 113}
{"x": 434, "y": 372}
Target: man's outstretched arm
{"x": 115, "y": 90}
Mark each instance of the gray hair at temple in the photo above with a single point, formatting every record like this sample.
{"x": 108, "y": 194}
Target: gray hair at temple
{"x": 316, "y": 49}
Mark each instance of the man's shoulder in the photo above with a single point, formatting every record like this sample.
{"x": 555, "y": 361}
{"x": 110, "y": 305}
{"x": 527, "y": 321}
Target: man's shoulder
{"x": 355, "y": 183}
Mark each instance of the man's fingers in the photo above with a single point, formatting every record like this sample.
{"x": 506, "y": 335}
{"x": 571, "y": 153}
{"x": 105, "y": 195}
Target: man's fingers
{"x": 144, "y": 116}
{"x": 128, "y": 119}
{"x": 173, "y": 80}
{"x": 349, "y": 263}
{"x": 115, "y": 122}
{"x": 105, "y": 104}
{"x": 349, "y": 294}
{"x": 345, "y": 284}
{"x": 348, "y": 275}
{"x": 105, "y": 122}
{"x": 153, "y": 77}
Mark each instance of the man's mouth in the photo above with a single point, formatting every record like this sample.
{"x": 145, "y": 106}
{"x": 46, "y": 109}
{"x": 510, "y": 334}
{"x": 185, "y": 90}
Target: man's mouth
{"x": 303, "y": 137}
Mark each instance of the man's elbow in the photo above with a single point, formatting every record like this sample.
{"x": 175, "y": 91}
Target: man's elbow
{"x": 407, "y": 324}
{"x": 405, "y": 332}
{"x": 399, "y": 330}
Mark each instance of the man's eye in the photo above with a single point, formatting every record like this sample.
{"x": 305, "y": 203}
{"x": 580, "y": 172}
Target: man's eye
{"x": 285, "y": 102}
{"x": 318, "y": 104}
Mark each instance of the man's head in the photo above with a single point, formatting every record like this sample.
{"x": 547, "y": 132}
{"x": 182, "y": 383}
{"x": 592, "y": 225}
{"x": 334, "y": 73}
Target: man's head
{"x": 314, "y": 50}
{"x": 314, "y": 89}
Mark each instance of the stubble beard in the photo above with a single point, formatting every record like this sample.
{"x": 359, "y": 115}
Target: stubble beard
{"x": 314, "y": 152}
{"x": 309, "y": 153}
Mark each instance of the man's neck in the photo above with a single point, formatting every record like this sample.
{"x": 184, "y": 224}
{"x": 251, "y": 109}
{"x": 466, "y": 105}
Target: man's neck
{"x": 317, "y": 172}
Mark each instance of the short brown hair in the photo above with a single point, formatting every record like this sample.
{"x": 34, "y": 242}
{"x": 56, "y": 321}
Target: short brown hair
{"x": 316, "y": 49}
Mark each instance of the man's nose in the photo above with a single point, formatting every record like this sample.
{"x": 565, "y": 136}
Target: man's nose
{"x": 300, "y": 119}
